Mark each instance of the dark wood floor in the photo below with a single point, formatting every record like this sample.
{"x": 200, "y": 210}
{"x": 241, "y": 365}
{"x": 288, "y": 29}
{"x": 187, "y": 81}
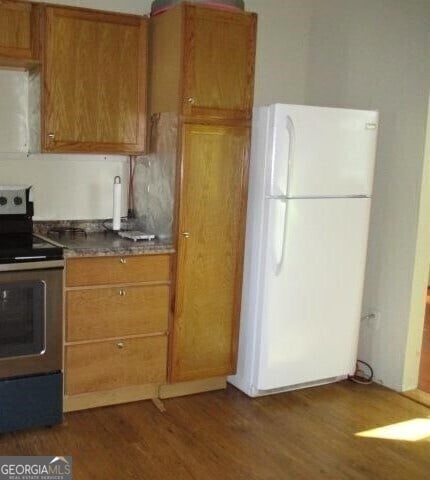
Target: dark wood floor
{"x": 308, "y": 434}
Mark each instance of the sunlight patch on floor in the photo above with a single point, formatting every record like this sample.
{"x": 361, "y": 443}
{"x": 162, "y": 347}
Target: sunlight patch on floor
{"x": 409, "y": 431}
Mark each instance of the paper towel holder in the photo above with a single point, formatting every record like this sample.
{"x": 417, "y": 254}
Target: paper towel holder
{"x": 116, "y": 217}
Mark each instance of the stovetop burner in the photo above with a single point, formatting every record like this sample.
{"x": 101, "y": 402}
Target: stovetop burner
{"x": 67, "y": 232}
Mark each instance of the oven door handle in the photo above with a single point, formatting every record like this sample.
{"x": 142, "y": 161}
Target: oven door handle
{"x": 19, "y": 267}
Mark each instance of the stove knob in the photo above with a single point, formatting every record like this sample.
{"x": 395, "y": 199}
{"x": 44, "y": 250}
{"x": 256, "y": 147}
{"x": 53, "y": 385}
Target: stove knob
{"x": 3, "y": 201}
{"x": 17, "y": 201}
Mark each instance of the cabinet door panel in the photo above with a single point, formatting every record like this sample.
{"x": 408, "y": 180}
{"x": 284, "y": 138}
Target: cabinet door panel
{"x": 219, "y": 63}
{"x": 95, "y": 82}
{"x": 15, "y": 29}
{"x": 209, "y": 270}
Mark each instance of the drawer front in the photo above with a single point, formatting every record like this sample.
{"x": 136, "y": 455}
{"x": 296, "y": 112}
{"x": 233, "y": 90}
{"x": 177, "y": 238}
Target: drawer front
{"x": 117, "y": 270}
{"x": 113, "y": 312}
{"x": 114, "y": 364}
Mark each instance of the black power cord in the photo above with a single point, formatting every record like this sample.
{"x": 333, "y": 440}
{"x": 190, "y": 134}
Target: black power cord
{"x": 363, "y": 373}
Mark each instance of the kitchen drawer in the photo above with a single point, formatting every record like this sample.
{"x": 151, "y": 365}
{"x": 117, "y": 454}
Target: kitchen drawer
{"x": 114, "y": 364}
{"x": 99, "y": 313}
{"x": 117, "y": 270}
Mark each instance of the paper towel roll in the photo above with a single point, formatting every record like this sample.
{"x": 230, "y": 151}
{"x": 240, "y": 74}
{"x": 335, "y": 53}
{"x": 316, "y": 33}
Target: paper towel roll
{"x": 116, "y": 217}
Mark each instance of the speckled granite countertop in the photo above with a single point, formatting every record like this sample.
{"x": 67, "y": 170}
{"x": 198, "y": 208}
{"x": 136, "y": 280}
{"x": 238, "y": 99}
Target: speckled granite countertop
{"x": 102, "y": 243}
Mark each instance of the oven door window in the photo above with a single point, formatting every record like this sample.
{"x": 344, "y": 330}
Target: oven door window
{"x": 22, "y": 319}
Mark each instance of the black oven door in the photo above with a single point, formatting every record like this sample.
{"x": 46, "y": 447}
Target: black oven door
{"x": 31, "y": 319}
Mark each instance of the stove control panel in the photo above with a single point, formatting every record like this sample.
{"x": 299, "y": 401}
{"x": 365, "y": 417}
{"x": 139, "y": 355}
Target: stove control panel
{"x": 13, "y": 200}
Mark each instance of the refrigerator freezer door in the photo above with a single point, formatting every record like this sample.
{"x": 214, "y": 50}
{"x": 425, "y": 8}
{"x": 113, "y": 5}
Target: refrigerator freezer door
{"x": 312, "y": 290}
{"x": 321, "y": 152}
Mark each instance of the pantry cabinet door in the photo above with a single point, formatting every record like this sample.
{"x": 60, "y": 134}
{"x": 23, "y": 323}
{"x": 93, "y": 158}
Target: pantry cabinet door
{"x": 18, "y": 29}
{"x": 219, "y": 57}
{"x": 94, "y": 81}
{"x": 210, "y": 251}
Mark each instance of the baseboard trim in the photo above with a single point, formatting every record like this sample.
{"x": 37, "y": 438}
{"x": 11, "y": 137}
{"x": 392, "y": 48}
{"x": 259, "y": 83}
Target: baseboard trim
{"x": 111, "y": 397}
{"x": 189, "y": 388}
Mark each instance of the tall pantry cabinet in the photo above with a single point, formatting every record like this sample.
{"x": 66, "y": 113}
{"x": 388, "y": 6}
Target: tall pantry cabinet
{"x": 202, "y": 69}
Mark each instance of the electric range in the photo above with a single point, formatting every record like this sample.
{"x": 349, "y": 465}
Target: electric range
{"x": 17, "y": 248}
{"x": 31, "y": 308}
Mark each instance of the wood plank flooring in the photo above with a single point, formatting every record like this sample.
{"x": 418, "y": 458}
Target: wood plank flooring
{"x": 303, "y": 435}
{"x": 419, "y": 396}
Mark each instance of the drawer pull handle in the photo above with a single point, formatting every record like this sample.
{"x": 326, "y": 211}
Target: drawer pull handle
{"x": 122, "y": 292}
{"x": 120, "y": 345}
{"x": 123, "y": 260}
{"x": 186, "y": 234}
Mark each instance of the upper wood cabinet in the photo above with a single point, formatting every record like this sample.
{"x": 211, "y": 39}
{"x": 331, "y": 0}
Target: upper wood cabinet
{"x": 203, "y": 62}
{"x": 94, "y": 97}
{"x": 219, "y": 51}
{"x": 19, "y": 28}
{"x": 210, "y": 251}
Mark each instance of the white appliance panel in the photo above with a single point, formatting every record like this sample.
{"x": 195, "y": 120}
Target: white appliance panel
{"x": 321, "y": 152}
{"x": 311, "y": 290}
{"x": 255, "y": 235}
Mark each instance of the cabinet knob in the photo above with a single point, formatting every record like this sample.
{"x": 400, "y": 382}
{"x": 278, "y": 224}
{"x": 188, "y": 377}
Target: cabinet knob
{"x": 122, "y": 292}
{"x": 120, "y": 345}
{"x": 191, "y": 100}
{"x": 51, "y": 136}
{"x": 123, "y": 260}
{"x": 186, "y": 234}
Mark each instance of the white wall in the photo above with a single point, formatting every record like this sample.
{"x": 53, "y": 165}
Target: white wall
{"x": 282, "y": 50}
{"x": 137, "y": 7}
{"x": 73, "y": 187}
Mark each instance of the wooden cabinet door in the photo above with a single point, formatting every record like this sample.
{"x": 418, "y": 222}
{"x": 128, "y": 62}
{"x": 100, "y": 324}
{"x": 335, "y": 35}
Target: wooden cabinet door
{"x": 210, "y": 251}
{"x": 219, "y": 57}
{"x": 95, "y": 82}
{"x": 17, "y": 29}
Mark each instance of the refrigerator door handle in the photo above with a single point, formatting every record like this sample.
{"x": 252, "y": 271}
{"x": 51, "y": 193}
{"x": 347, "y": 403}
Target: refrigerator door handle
{"x": 291, "y": 149}
{"x": 279, "y": 265}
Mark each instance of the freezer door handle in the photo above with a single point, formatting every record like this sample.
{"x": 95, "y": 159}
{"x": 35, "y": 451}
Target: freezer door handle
{"x": 280, "y": 263}
{"x": 282, "y": 161}
{"x": 291, "y": 149}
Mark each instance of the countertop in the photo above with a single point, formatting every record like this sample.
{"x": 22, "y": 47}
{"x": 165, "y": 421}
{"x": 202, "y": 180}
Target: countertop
{"x": 108, "y": 243}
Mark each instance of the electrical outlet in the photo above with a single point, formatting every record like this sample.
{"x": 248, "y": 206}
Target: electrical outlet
{"x": 372, "y": 319}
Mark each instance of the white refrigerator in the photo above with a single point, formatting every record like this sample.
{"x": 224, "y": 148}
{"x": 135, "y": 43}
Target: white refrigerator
{"x": 311, "y": 176}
